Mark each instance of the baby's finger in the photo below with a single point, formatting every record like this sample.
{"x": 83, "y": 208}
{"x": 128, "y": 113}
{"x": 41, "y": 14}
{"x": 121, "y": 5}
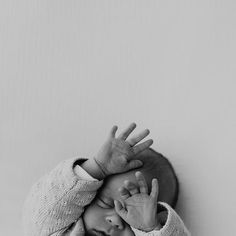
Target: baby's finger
{"x": 142, "y": 146}
{"x": 143, "y": 187}
{"x": 155, "y": 189}
{"x": 127, "y": 131}
{"x": 133, "y": 165}
{"x": 134, "y": 140}
{"x": 131, "y": 187}
{"x": 124, "y": 193}
{"x": 113, "y": 131}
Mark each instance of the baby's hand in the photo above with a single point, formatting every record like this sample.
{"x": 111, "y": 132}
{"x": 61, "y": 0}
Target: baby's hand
{"x": 117, "y": 155}
{"x": 139, "y": 208}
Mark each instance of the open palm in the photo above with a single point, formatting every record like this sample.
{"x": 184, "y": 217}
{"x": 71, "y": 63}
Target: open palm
{"x": 117, "y": 154}
{"x": 139, "y": 209}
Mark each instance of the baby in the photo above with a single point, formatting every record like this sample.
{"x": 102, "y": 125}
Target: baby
{"x": 128, "y": 202}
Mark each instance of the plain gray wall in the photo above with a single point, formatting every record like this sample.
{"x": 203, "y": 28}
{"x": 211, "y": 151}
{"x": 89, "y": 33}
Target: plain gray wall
{"x": 69, "y": 70}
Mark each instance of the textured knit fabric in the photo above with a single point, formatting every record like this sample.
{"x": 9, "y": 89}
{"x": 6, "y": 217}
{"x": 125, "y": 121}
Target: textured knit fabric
{"x": 57, "y": 201}
{"x": 55, "y": 204}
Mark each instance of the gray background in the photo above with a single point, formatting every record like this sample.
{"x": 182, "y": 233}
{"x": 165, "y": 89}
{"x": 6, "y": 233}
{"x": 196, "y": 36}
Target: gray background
{"x": 69, "y": 70}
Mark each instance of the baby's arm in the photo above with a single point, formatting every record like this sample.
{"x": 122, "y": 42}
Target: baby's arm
{"x": 142, "y": 212}
{"x": 58, "y": 199}
{"x": 117, "y": 154}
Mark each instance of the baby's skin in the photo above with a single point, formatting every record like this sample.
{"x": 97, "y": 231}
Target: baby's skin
{"x": 124, "y": 200}
{"x": 71, "y": 200}
{"x": 133, "y": 206}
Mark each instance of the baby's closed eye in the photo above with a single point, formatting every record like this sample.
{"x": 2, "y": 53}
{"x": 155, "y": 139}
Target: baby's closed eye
{"x": 104, "y": 203}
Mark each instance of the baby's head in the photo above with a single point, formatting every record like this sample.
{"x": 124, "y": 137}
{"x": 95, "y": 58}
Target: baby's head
{"x": 157, "y": 166}
{"x": 100, "y": 215}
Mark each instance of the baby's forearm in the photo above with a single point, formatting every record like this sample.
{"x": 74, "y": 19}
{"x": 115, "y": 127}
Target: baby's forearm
{"x": 92, "y": 168}
{"x": 58, "y": 199}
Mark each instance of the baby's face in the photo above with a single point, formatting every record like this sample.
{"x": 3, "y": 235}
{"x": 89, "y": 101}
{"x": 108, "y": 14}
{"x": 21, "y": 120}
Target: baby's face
{"x": 100, "y": 217}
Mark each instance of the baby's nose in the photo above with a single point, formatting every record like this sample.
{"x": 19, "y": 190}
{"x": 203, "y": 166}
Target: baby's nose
{"x": 115, "y": 221}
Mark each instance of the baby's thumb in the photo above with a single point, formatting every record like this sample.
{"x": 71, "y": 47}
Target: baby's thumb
{"x": 120, "y": 210}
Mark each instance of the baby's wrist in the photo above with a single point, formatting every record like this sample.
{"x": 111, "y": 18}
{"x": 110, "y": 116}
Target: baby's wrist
{"x": 100, "y": 168}
{"x": 155, "y": 226}
{"x": 93, "y": 168}
{"x": 158, "y": 226}
{"x": 159, "y": 222}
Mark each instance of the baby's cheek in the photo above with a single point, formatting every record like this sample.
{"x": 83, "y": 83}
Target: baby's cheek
{"x": 93, "y": 216}
{"x": 89, "y": 216}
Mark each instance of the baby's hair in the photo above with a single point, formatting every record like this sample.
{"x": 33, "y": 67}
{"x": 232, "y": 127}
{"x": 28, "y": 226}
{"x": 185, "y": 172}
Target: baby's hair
{"x": 158, "y": 166}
